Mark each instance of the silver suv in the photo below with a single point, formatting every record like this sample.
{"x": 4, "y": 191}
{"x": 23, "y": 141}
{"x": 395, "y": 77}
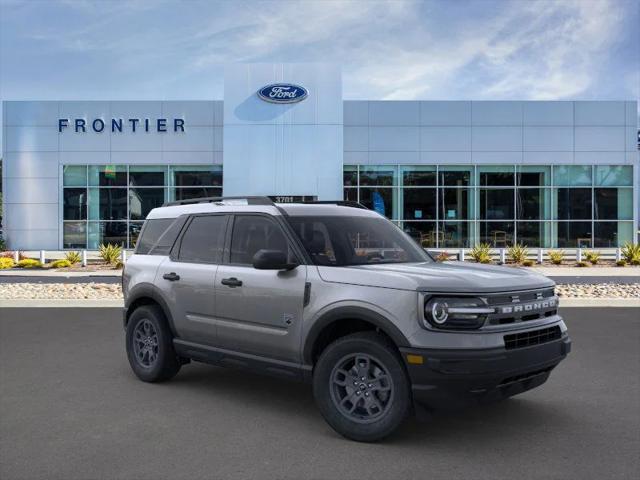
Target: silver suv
{"x": 334, "y": 294}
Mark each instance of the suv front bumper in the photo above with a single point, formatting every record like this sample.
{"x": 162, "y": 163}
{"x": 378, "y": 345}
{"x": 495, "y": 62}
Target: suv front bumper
{"x": 451, "y": 378}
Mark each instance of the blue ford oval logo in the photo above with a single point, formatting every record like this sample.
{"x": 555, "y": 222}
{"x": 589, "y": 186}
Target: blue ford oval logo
{"x": 283, "y": 93}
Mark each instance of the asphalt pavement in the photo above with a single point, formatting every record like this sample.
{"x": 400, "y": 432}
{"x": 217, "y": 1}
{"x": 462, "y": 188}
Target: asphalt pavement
{"x": 70, "y": 408}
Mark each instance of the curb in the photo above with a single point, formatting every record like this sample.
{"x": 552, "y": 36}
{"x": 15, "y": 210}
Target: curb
{"x": 599, "y": 302}
{"x": 61, "y": 303}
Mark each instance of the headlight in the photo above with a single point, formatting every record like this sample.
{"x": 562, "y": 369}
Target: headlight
{"x": 455, "y": 312}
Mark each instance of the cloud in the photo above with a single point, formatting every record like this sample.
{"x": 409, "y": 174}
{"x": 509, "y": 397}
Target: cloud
{"x": 396, "y": 49}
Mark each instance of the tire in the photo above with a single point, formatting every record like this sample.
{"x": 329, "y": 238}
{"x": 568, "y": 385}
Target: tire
{"x": 152, "y": 357}
{"x": 384, "y": 400}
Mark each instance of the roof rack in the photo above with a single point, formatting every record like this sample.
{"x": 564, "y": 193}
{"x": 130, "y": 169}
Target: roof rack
{"x": 340, "y": 203}
{"x": 191, "y": 201}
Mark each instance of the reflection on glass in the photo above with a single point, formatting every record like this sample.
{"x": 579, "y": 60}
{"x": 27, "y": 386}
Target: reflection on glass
{"x": 74, "y": 235}
{"x": 613, "y": 203}
{"x": 350, "y": 176}
{"x": 573, "y": 203}
{"x": 419, "y": 203}
{"x": 574, "y": 234}
{"x": 612, "y": 234}
{"x": 496, "y": 175}
{"x": 418, "y": 176}
{"x": 532, "y": 203}
{"x": 143, "y": 200}
{"x": 107, "y": 175}
{"x": 496, "y": 234}
{"x": 534, "y": 175}
{"x": 74, "y": 175}
{"x": 146, "y": 175}
{"x": 424, "y": 233}
{"x": 378, "y": 175}
{"x": 74, "y": 204}
{"x": 380, "y": 200}
{"x": 454, "y": 235}
{"x": 134, "y": 233}
{"x": 191, "y": 193}
{"x": 614, "y": 175}
{"x": 455, "y": 175}
{"x": 351, "y": 194}
{"x": 456, "y": 204}
{"x": 531, "y": 234}
{"x": 572, "y": 175}
{"x": 107, "y": 232}
{"x": 496, "y": 204}
{"x": 113, "y": 203}
{"x": 197, "y": 175}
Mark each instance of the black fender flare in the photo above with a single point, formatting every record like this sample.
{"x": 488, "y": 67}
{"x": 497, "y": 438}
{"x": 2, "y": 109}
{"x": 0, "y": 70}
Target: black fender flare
{"x": 148, "y": 290}
{"x": 351, "y": 312}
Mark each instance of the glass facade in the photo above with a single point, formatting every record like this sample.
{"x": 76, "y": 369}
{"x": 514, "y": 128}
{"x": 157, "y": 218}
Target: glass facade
{"x": 452, "y": 206}
{"x": 108, "y": 203}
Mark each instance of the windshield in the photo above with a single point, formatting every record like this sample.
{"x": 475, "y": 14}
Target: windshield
{"x": 349, "y": 240}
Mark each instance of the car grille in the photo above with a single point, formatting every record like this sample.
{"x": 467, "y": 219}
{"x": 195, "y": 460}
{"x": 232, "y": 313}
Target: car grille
{"x": 522, "y": 306}
{"x": 534, "y": 337}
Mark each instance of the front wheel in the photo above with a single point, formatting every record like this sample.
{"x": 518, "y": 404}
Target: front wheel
{"x": 150, "y": 345}
{"x": 361, "y": 387}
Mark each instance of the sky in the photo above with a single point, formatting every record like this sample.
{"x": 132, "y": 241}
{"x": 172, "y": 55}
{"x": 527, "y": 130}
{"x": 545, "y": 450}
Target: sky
{"x": 400, "y": 50}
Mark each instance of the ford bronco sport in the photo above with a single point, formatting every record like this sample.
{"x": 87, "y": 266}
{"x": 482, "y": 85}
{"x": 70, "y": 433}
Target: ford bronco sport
{"x": 337, "y": 295}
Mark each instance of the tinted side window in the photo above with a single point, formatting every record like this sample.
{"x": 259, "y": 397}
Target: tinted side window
{"x": 151, "y": 232}
{"x": 203, "y": 241}
{"x": 168, "y": 238}
{"x": 252, "y": 233}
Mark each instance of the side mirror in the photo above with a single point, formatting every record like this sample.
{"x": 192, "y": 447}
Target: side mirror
{"x": 272, "y": 260}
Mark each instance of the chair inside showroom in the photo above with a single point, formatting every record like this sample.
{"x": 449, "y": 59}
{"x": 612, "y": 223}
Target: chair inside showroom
{"x": 499, "y": 238}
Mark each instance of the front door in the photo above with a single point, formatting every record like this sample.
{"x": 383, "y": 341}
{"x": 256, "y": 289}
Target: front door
{"x": 187, "y": 279}
{"x": 259, "y": 311}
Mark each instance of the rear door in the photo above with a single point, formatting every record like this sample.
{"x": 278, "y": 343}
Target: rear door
{"x": 259, "y": 311}
{"x": 187, "y": 277}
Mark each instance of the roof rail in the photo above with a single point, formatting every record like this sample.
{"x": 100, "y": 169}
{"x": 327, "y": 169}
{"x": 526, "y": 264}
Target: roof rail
{"x": 340, "y": 203}
{"x": 191, "y": 201}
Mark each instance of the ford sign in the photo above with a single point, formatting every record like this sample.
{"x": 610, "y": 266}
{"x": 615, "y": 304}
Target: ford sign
{"x": 283, "y": 93}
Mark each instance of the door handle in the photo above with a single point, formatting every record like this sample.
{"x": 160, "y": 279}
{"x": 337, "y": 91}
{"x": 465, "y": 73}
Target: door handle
{"x": 231, "y": 282}
{"x": 172, "y": 277}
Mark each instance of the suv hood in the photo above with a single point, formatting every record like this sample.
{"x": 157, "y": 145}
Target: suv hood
{"x": 449, "y": 277}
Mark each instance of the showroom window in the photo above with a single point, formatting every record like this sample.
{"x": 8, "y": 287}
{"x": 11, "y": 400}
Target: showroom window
{"x": 452, "y": 206}
{"x": 108, "y": 203}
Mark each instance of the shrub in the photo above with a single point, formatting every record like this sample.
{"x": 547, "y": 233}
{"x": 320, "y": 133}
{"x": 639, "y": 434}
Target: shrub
{"x": 631, "y": 253}
{"x": 528, "y": 263}
{"x": 481, "y": 253}
{"x": 6, "y": 263}
{"x": 3, "y": 245}
{"x": 518, "y": 253}
{"x": 9, "y": 254}
{"x": 582, "y": 263}
{"x": 29, "y": 263}
{"x": 592, "y": 257}
{"x": 442, "y": 257}
{"x": 556, "y": 256}
{"x": 118, "y": 265}
{"x": 62, "y": 263}
{"x": 110, "y": 253}
{"x": 73, "y": 257}
{"x": 621, "y": 263}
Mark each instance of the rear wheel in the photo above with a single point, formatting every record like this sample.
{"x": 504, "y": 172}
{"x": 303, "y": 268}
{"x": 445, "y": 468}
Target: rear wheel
{"x": 150, "y": 345}
{"x": 361, "y": 387}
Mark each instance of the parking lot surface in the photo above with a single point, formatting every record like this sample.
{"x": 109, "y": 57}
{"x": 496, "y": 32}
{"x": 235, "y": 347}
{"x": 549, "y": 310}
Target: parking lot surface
{"x": 70, "y": 408}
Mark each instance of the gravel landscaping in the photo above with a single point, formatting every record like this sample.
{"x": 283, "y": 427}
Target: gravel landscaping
{"x": 106, "y": 291}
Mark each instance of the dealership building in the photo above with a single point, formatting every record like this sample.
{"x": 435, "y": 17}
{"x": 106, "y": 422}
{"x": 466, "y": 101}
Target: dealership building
{"x": 450, "y": 173}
